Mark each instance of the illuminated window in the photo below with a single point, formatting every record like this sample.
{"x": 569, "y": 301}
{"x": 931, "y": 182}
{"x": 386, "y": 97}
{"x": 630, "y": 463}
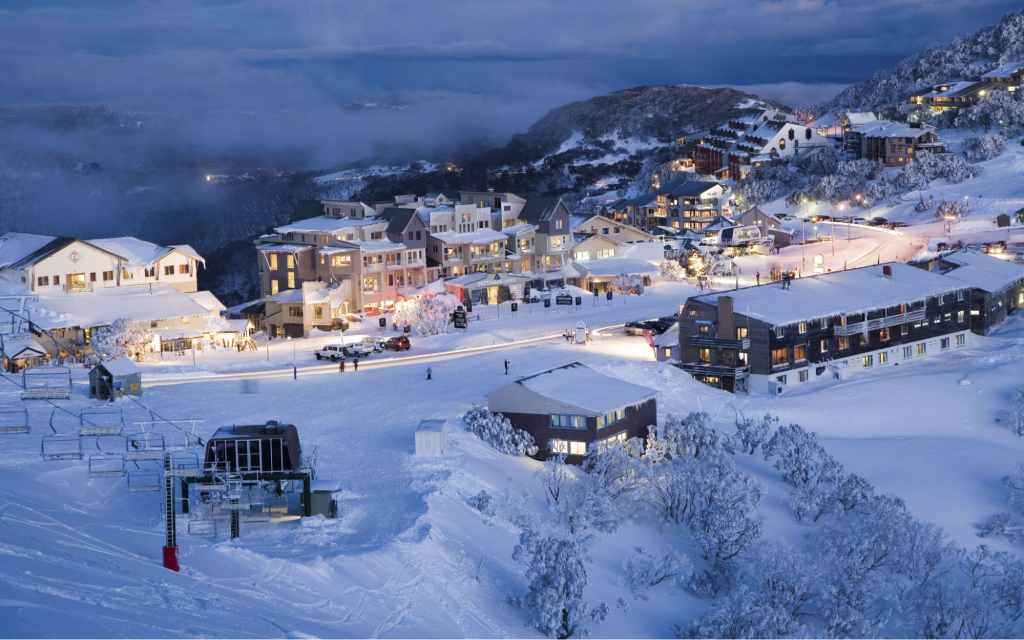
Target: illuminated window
{"x": 559, "y": 446}
{"x": 779, "y": 357}
{"x": 907, "y": 352}
{"x": 800, "y": 352}
{"x": 741, "y": 333}
{"x": 823, "y": 323}
{"x": 844, "y": 343}
{"x": 291, "y": 280}
{"x": 562, "y": 421}
{"x": 341, "y": 261}
{"x": 291, "y": 261}
{"x": 883, "y": 358}
{"x": 961, "y": 340}
{"x": 273, "y": 262}
{"x": 868, "y": 361}
{"x": 824, "y": 346}
{"x": 273, "y": 287}
{"x": 802, "y": 327}
{"x": 577, "y": 448}
{"x": 883, "y": 334}
{"x": 922, "y": 349}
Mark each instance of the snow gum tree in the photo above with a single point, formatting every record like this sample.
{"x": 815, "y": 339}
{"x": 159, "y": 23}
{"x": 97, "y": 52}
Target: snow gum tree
{"x": 123, "y": 339}
{"x": 803, "y": 463}
{"x": 558, "y": 579}
{"x": 644, "y": 570}
{"x": 752, "y": 432}
{"x": 496, "y": 430}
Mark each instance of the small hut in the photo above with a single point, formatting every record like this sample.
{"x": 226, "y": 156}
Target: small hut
{"x": 115, "y": 378}
{"x": 1002, "y": 220}
{"x": 431, "y": 438}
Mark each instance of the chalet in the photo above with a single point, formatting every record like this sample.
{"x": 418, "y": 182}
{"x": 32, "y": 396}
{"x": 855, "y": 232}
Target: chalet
{"x": 772, "y": 140}
{"x": 618, "y": 230}
{"x": 711, "y": 155}
{"x": 766, "y": 338}
{"x": 895, "y": 143}
{"x": 770, "y": 226}
{"x": 690, "y": 204}
{"x": 595, "y": 247}
{"x": 552, "y": 243}
{"x": 569, "y": 408}
{"x": 997, "y": 285}
{"x": 956, "y": 94}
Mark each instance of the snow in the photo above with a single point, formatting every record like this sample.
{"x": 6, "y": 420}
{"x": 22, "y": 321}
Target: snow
{"x": 16, "y": 246}
{"x": 982, "y": 271}
{"x": 668, "y": 339}
{"x": 62, "y": 309}
{"x": 288, "y": 295}
{"x": 122, "y": 367}
{"x": 580, "y": 386}
{"x": 653, "y": 252}
{"x": 207, "y": 300}
{"x": 1005, "y": 70}
{"x": 615, "y": 266}
{"x": 137, "y": 252}
{"x": 376, "y": 246}
{"x": 179, "y": 333}
{"x": 22, "y": 348}
{"x": 475, "y": 237}
{"x": 325, "y": 225}
{"x": 277, "y": 247}
{"x": 518, "y": 229}
{"x": 838, "y": 293}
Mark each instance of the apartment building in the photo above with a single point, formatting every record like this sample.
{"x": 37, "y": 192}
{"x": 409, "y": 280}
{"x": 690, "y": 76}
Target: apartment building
{"x": 896, "y": 143}
{"x": 552, "y": 241}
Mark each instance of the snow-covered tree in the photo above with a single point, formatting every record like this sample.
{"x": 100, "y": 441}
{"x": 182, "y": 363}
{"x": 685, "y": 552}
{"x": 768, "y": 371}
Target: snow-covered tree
{"x": 672, "y": 271}
{"x": 983, "y": 148}
{"x": 953, "y": 208}
{"x": 1002, "y": 111}
{"x": 627, "y": 283}
{"x": 496, "y": 430}
{"x": 803, "y": 463}
{"x": 1016, "y": 415}
{"x": 645, "y": 570}
{"x": 558, "y": 579}
{"x": 926, "y": 167}
{"x": 716, "y": 264}
{"x": 578, "y": 500}
{"x": 752, "y": 432}
{"x": 616, "y": 467}
{"x": 428, "y": 316}
{"x": 123, "y": 338}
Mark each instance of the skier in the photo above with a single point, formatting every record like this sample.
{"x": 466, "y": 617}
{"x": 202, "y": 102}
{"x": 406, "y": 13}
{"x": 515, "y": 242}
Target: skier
{"x": 506, "y": 366}
{"x": 429, "y": 372}
{"x": 355, "y": 364}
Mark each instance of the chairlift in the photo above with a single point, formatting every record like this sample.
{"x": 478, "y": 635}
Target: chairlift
{"x": 14, "y": 420}
{"x": 62, "y": 446}
{"x": 144, "y": 446}
{"x": 184, "y": 465}
{"x": 101, "y": 422}
{"x": 143, "y": 481}
{"x": 202, "y": 528}
{"x": 276, "y": 505}
{"x": 46, "y": 383}
{"x": 104, "y": 465}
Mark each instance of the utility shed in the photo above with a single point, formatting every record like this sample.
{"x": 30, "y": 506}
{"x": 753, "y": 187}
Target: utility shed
{"x": 322, "y": 497}
{"x": 431, "y": 438}
{"x": 115, "y": 377}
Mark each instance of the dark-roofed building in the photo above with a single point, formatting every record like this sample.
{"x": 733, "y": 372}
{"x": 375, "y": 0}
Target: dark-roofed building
{"x": 570, "y": 408}
{"x": 690, "y": 204}
{"x": 552, "y": 240}
{"x": 770, "y": 226}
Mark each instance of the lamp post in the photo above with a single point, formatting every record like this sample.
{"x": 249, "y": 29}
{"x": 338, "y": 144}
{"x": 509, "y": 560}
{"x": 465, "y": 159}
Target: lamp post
{"x": 968, "y": 199}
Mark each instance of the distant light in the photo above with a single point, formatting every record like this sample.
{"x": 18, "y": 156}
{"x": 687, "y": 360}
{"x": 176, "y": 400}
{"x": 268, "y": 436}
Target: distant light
{"x": 208, "y": 178}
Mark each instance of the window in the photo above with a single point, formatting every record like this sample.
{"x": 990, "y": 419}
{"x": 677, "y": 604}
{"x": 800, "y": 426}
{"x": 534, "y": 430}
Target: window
{"x": 922, "y": 349}
{"x": 419, "y": 235}
{"x": 824, "y": 346}
{"x": 109, "y": 275}
{"x": 558, "y": 224}
{"x": 868, "y": 361}
{"x": 741, "y": 333}
{"x": 56, "y": 280}
{"x": 780, "y": 331}
{"x": 318, "y": 313}
{"x": 844, "y": 343}
{"x": 616, "y": 230}
{"x": 169, "y": 269}
{"x": 907, "y": 352}
{"x": 959, "y": 316}
{"x": 781, "y": 379}
{"x": 779, "y": 357}
{"x": 802, "y": 327}
{"x": 944, "y": 343}
{"x": 273, "y": 287}
{"x": 43, "y": 281}
{"x": 341, "y": 261}
{"x": 611, "y": 418}
{"x": 693, "y": 312}
{"x": 295, "y": 312}
{"x": 705, "y": 355}
{"x": 559, "y": 446}
{"x": 148, "y": 272}
{"x": 562, "y": 421}
{"x": 800, "y": 352}
{"x": 183, "y": 268}
{"x": 802, "y": 376}
{"x": 883, "y": 358}
{"x": 883, "y": 334}
{"x": 273, "y": 262}
{"x": 823, "y": 323}
{"x": 411, "y": 235}
{"x": 947, "y": 317}
{"x": 577, "y": 448}
{"x": 92, "y": 276}
{"x": 959, "y": 296}
{"x": 942, "y": 299}
{"x": 291, "y": 279}
{"x": 604, "y": 231}
{"x": 961, "y": 340}
{"x": 290, "y": 258}
{"x": 618, "y": 438}
{"x": 668, "y": 353}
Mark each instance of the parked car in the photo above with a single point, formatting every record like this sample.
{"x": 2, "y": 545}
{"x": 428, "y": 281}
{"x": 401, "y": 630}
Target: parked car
{"x": 877, "y": 222}
{"x": 332, "y": 352}
{"x": 899, "y": 224}
{"x": 377, "y": 344}
{"x": 637, "y": 328}
{"x": 398, "y": 344}
{"x": 357, "y": 350}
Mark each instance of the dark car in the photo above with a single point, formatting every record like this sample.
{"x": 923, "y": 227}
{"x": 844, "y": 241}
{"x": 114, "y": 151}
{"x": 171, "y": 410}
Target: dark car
{"x": 877, "y": 222}
{"x": 398, "y": 344}
{"x": 637, "y": 328}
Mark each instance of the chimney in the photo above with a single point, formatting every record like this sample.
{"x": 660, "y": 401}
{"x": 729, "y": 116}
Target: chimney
{"x": 725, "y": 324}
{"x": 887, "y": 271}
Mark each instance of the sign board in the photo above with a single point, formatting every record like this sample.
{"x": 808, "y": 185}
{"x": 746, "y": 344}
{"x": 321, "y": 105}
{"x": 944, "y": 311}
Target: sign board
{"x": 118, "y": 384}
{"x": 595, "y": 293}
{"x": 526, "y": 291}
{"x": 459, "y": 319}
{"x": 579, "y": 301}
{"x": 547, "y": 302}
{"x": 407, "y": 329}
{"x": 515, "y": 307}
{"x": 516, "y": 290}
{"x": 608, "y": 295}
{"x": 707, "y": 322}
{"x": 382, "y": 322}
{"x": 564, "y": 299}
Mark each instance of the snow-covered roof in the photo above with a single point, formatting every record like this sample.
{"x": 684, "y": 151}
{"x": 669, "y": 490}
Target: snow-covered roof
{"x": 982, "y": 271}
{"x": 856, "y": 118}
{"x": 615, "y": 266}
{"x": 280, "y": 247}
{"x": 140, "y": 253}
{"x": 955, "y": 89}
{"x": 502, "y": 279}
{"x": 224, "y": 325}
{"x": 323, "y": 224}
{"x": 474, "y": 237}
{"x": 517, "y": 229}
{"x": 15, "y": 247}
{"x": 142, "y": 303}
{"x": 580, "y": 386}
{"x": 288, "y": 296}
{"x": 179, "y": 333}
{"x": 329, "y": 251}
{"x": 668, "y": 339}
{"x": 122, "y": 367}
{"x": 887, "y": 129}
{"x": 848, "y": 292}
{"x": 208, "y": 300}
{"x": 23, "y": 348}
{"x": 1005, "y": 71}
{"x": 373, "y": 246}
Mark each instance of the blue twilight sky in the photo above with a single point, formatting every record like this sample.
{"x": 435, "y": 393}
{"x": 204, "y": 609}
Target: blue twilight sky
{"x": 515, "y": 58}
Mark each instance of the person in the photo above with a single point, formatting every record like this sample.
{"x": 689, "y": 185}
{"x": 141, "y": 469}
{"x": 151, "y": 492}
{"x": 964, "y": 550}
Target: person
{"x": 355, "y": 364}
{"x": 429, "y": 372}
{"x": 759, "y": 278}
{"x": 341, "y": 366}
{"x": 506, "y": 366}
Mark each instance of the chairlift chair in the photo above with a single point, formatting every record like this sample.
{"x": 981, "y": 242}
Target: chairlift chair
{"x": 202, "y": 528}
{"x": 144, "y": 446}
{"x": 60, "y": 446}
{"x": 103, "y": 465}
{"x": 143, "y": 481}
{"x": 14, "y": 420}
{"x": 101, "y": 422}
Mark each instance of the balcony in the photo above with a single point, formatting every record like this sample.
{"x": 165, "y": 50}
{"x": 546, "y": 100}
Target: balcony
{"x": 719, "y": 343}
{"x": 453, "y": 259}
{"x": 485, "y": 257}
{"x": 392, "y": 264}
{"x": 694, "y": 368}
{"x": 879, "y": 323}
{"x": 415, "y": 262}
{"x": 374, "y": 266}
